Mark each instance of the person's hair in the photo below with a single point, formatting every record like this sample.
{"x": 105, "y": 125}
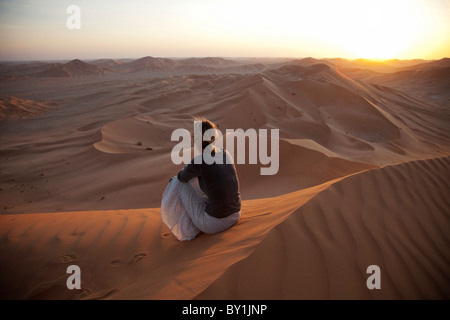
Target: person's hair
{"x": 206, "y": 124}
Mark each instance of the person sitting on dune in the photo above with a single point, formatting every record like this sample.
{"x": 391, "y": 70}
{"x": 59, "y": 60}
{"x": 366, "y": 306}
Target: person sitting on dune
{"x": 203, "y": 197}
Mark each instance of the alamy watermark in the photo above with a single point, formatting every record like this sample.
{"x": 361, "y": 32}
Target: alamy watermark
{"x": 74, "y": 280}
{"x": 257, "y": 147}
{"x": 74, "y": 20}
{"x": 374, "y": 280}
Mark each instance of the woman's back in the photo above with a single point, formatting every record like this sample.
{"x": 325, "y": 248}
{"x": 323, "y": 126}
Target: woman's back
{"x": 219, "y": 182}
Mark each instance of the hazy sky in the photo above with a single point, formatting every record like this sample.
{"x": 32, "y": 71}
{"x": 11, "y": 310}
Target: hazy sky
{"x": 405, "y": 29}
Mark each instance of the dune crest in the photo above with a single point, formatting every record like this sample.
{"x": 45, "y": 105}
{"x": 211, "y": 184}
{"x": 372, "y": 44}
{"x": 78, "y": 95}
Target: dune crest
{"x": 14, "y": 108}
{"x": 315, "y": 243}
{"x": 74, "y": 68}
{"x": 395, "y": 217}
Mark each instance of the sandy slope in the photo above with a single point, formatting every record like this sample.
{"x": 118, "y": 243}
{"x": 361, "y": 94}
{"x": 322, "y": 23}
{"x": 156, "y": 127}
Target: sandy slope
{"x": 74, "y": 68}
{"x": 13, "y": 108}
{"x": 96, "y": 149}
{"x": 314, "y": 243}
{"x": 395, "y": 217}
{"x": 84, "y": 162}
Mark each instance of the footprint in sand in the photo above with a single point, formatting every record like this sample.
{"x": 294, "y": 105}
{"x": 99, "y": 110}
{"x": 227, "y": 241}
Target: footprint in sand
{"x": 138, "y": 257}
{"x": 134, "y": 259}
{"x": 83, "y": 293}
{"x": 116, "y": 262}
{"x": 103, "y": 294}
{"x": 166, "y": 235}
{"x": 68, "y": 258}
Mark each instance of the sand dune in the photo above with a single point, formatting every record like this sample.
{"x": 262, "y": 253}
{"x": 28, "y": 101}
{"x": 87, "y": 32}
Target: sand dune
{"x": 330, "y": 126}
{"x": 107, "y": 63}
{"x": 425, "y": 81}
{"x": 392, "y": 65}
{"x": 151, "y": 64}
{"x": 315, "y": 243}
{"x": 85, "y": 158}
{"x": 423, "y": 66}
{"x": 13, "y": 108}
{"x": 28, "y": 68}
{"x": 210, "y": 62}
{"x": 395, "y": 217}
{"x": 74, "y": 68}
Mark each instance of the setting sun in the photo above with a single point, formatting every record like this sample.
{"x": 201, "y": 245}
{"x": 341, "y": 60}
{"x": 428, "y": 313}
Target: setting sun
{"x": 383, "y": 29}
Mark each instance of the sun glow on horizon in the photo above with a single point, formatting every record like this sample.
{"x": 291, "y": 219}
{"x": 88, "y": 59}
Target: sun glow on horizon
{"x": 370, "y": 29}
{"x": 384, "y": 29}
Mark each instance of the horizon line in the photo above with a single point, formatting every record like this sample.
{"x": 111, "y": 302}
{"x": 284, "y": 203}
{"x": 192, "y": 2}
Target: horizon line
{"x": 221, "y": 57}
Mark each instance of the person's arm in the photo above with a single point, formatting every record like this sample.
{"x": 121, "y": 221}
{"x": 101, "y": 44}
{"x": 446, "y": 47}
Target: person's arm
{"x": 190, "y": 171}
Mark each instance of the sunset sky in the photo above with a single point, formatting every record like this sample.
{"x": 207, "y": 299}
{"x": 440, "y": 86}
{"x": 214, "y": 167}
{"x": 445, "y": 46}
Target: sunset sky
{"x": 383, "y": 29}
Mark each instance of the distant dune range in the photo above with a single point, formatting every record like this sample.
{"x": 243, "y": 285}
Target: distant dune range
{"x": 363, "y": 178}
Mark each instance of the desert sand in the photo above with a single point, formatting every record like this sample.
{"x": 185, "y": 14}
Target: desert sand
{"x": 363, "y": 179}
